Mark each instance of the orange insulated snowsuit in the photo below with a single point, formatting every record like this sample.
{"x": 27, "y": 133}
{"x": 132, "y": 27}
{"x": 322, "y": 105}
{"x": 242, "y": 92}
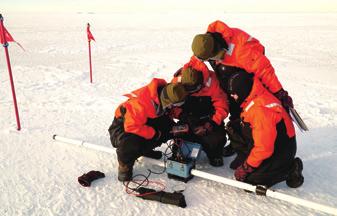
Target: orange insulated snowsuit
{"x": 263, "y": 112}
{"x": 244, "y": 51}
{"x": 142, "y": 105}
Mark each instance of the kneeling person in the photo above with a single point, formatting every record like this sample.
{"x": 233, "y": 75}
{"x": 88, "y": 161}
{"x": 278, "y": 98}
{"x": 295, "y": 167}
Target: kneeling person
{"x": 267, "y": 152}
{"x": 142, "y": 123}
{"x": 204, "y": 110}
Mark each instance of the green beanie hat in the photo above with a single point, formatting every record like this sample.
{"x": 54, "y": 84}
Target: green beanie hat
{"x": 191, "y": 79}
{"x": 202, "y": 46}
{"x": 171, "y": 94}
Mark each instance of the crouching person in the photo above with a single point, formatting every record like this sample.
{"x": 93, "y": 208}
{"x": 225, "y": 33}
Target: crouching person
{"x": 265, "y": 139}
{"x": 204, "y": 110}
{"x": 142, "y": 123}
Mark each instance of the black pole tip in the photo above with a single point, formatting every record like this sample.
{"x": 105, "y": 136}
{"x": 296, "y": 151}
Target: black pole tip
{"x": 54, "y": 136}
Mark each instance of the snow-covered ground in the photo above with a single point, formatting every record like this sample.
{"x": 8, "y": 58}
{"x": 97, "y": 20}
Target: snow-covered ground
{"x": 39, "y": 176}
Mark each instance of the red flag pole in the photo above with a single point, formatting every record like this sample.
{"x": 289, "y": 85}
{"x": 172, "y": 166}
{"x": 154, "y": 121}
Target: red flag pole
{"x": 5, "y": 45}
{"x": 89, "y": 45}
{"x": 90, "y": 61}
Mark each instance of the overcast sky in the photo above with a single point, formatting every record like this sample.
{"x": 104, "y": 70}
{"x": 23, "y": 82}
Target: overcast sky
{"x": 169, "y": 5}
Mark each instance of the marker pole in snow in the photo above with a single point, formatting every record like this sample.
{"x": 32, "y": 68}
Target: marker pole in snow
{"x": 5, "y": 45}
{"x": 90, "y": 65}
{"x": 90, "y": 37}
{"x": 259, "y": 190}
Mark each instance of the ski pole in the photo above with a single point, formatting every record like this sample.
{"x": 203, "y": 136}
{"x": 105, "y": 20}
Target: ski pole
{"x": 257, "y": 189}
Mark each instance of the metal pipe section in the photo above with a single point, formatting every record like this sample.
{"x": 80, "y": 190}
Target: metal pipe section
{"x": 82, "y": 143}
{"x": 256, "y": 189}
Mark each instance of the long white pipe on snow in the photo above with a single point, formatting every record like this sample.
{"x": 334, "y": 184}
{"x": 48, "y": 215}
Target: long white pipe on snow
{"x": 256, "y": 189}
{"x": 82, "y": 143}
{"x": 266, "y": 192}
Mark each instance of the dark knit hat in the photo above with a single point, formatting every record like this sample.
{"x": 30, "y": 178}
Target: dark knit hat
{"x": 192, "y": 79}
{"x": 203, "y": 46}
{"x": 172, "y": 94}
{"x": 240, "y": 83}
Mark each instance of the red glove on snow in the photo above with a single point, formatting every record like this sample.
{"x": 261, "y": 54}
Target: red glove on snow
{"x": 285, "y": 99}
{"x": 243, "y": 171}
{"x": 86, "y": 179}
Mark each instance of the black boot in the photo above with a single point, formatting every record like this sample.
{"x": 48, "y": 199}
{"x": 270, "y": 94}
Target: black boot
{"x": 124, "y": 172}
{"x": 228, "y": 151}
{"x": 153, "y": 154}
{"x": 240, "y": 158}
{"x": 216, "y": 161}
{"x": 295, "y": 178}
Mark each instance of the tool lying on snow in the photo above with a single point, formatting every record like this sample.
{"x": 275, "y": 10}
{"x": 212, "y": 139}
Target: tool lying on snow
{"x": 257, "y": 189}
{"x": 175, "y": 198}
{"x": 298, "y": 120}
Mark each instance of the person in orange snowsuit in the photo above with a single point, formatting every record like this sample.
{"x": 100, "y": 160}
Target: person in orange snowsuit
{"x": 266, "y": 140}
{"x": 205, "y": 108}
{"x": 142, "y": 123}
{"x": 229, "y": 50}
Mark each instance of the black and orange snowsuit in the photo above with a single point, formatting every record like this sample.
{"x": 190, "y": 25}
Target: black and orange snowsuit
{"x": 136, "y": 121}
{"x": 208, "y": 104}
{"x": 269, "y": 136}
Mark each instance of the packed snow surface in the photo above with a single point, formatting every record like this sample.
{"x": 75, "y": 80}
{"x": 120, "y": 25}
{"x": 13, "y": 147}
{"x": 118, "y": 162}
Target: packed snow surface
{"x": 39, "y": 176}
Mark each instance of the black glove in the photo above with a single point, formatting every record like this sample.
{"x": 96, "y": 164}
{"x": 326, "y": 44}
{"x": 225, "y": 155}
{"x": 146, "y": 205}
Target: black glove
{"x": 157, "y": 136}
{"x": 210, "y": 125}
{"x": 178, "y": 72}
{"x": 205, "y": 128}
{"x": 180, "y": 130}
{"x": 161, "y": 136}
{"x": 233, "y": 126}
{"x": 285, "y": 99}
{"x": 86, "y": 179}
